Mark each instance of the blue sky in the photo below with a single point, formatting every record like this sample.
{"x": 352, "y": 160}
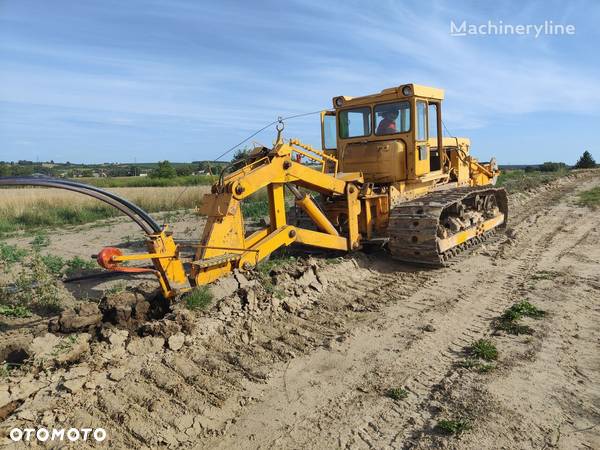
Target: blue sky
{"x": 118, "y": 81}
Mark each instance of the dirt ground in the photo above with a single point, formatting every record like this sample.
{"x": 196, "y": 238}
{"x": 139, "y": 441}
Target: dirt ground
{"x": 308, "y": 359}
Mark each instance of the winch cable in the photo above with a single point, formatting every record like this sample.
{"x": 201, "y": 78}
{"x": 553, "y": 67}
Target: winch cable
{"x": 230, "y": 149}
{"x": 135, "y": 213}
{"x": 279, "y": 120}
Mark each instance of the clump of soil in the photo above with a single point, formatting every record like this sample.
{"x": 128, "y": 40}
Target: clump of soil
{"x": 130, "y": 309}
{"x": 178, "y": 321}
{"x": 83, "y": 317}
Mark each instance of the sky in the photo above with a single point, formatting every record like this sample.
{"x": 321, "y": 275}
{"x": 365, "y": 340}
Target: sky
{"x": 144, "y": 80}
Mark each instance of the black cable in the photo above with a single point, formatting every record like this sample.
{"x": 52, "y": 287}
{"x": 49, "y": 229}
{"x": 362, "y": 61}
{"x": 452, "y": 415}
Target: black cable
{"x": 447, "y": 131}
{"x": 459, "y": 151}
{"x": 281, "y": 119}
{"x": 134, "y": 212}
{"x": 132, "y": 206}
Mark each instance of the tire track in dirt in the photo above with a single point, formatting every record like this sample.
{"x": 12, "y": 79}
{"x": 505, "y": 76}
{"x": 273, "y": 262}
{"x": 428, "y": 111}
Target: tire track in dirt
{"x": 362, "y": 416}
{"x": 475, "y": 317}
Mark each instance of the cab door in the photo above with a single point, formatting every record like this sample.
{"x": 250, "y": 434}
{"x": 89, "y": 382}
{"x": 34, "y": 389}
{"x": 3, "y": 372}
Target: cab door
{"x": 421, "y": 139}
{"x": 329, "y": 132}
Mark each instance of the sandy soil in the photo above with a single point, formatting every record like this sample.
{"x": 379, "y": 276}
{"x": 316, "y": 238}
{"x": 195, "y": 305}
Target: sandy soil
{"x": 310, "y": 367}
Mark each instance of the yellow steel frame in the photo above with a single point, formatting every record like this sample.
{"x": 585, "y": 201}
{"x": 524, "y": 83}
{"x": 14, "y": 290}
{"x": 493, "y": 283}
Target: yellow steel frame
{"x": 169, "y": 269}
{"x": 224, "y": 232}
{"x": 315, "y": 155}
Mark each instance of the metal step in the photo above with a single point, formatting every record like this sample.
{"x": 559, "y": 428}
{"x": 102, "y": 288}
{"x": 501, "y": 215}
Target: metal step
{"x": 217, "y": 260}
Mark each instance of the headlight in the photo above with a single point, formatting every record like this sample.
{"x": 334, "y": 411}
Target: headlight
{"x": 339, "y": 101}
{"x": 406, "y": 91}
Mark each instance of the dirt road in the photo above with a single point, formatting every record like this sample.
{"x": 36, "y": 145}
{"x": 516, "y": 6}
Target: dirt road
{"x": 312, "y": 367}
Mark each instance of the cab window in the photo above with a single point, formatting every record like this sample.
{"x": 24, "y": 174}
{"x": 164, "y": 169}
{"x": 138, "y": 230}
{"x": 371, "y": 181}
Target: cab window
{"x": 355, "y": 122}
{"x": 392, "y": 118}
{"x": 421, "y": 120}
{"x": 433, "y": 120}
{"x": 329, "y": 138}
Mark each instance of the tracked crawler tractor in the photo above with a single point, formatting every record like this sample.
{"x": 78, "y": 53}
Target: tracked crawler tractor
{"x": 385, "y": 175}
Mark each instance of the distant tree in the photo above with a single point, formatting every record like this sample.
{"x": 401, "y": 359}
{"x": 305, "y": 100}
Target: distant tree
{"x": 240, "y": 155}
{"x": 19, "y": 170}
{"x": 529, "y": 169}
{"x": 164, "y": 170}
{"x": 184, "y": 171}
{"x": 4, "y": 170}
{"x": 586, "y": 161}
{"x": 549, "y": 166}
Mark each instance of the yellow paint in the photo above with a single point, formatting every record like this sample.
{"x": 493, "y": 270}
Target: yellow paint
{"x": 313, "y": 211}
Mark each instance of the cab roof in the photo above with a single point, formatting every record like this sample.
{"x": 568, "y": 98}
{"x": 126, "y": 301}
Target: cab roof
{"x": 416, "y": 90}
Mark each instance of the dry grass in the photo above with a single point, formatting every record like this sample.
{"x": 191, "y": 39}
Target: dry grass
{"x": 22, "y": 208}
{"x": 16, "y": 201}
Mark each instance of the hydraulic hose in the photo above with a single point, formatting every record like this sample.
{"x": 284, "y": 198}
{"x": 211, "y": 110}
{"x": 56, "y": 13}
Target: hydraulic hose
{"x": 134, "y": 212}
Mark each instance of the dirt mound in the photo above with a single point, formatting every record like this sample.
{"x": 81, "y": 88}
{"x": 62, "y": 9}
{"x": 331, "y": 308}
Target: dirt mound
{"x": 132, "y": 308}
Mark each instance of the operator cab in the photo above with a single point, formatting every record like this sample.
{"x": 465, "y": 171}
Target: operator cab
{"x": 391, "y": 136}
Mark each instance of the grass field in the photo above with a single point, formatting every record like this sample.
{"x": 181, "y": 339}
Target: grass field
{"x": 590, "y": 198}
{"x": 137, "y": 182}
{"x": 31, "y": 208}
{"x": 520, "y": 180}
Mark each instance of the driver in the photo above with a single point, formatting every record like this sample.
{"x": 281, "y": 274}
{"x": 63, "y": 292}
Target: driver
{"x": 388, "y": 124}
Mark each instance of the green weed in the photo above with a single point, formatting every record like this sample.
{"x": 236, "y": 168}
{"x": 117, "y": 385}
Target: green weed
{"x": 199, "y": 298}
{"x": 396, "y": 393}
{"x": 40, "y": 241}
{"x": 523, "y": 308}
{"x": 508, "y": 321}
{"x": 75, "y": 264}
{"x": 484, "y": 349}
{"x": 10, "y": 254}
{"x": 54, "y": 264}
{"x": 35, "y": 287}
{"x": 453, "y": 426}
{"x": 116, "y": 289}
{"x": 16, "y": 311}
